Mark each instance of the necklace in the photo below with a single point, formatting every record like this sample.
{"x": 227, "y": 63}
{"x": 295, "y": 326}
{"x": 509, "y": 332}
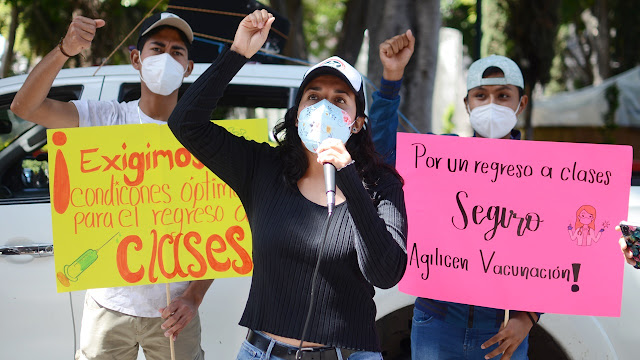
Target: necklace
{"x": 139, "y": 117}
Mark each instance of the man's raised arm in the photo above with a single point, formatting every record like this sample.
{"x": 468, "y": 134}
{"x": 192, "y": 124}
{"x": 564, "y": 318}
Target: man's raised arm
{"x": 31, "y": 101}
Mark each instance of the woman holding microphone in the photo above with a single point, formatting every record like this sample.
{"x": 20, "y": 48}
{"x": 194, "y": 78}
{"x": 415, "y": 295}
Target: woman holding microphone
{"x": 311, "y": 295}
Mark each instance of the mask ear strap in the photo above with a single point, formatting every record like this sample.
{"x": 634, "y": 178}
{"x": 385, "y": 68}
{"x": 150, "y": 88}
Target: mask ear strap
{"x": 140, "y": 60}
{"x": 518, "y": 108}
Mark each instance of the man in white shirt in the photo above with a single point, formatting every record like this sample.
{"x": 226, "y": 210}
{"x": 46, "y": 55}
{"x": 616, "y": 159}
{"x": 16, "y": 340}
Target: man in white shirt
{"x": 116, "y": 321}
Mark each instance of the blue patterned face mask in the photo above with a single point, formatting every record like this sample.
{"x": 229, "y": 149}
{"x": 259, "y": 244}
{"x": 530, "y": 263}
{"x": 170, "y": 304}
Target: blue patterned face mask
{"x": 321, "y": 121}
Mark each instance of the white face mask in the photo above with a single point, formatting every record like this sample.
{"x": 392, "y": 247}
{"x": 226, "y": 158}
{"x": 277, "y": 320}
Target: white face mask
{"x": 321, "y": 121}
{"x": 162, "y": 74}
{"x": 493, "y": 121}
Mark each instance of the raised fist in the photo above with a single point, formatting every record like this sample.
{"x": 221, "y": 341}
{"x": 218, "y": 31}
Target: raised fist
{"x": 252, "y": 33}
{"x": 395, "y": 53}
{"x": 80, "y": 34}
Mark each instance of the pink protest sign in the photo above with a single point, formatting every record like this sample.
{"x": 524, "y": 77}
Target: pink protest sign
{"x": 520, "y": 225}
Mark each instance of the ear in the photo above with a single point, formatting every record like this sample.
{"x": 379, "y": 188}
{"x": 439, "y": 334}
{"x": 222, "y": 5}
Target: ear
{"x": 466, "y": 104}
{"x": 358, "y": 124}
{"x": 523, "y": 104}
{"x": 135, "y": 59}
{"x": 189, "y": 68}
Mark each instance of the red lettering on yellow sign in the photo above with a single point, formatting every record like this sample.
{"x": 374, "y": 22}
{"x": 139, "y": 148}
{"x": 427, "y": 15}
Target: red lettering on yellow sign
{"x": 247, "y": 265}
{"x": 222, "y": 247}
{"x": 137, "y": 161}
{"x": 83, "y": 161}
{"x": 121, "y": 259}
{"x": 61, "y": 185}
{"x": 199, "y": 258}
{"x": 168, "y": 247}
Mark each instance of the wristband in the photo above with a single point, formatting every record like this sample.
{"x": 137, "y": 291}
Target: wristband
{"x": 531, "y": 318}
{"x": 61, "y": 49}
{"x": 352, "y": 162}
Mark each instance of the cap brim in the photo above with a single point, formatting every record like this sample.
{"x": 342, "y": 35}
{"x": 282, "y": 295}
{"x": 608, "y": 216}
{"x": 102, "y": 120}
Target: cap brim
{"x": 175, "y": 22}
{"x": 327, "y": 70}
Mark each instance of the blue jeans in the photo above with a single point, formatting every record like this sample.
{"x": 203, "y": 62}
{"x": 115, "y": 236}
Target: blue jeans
{"x": 250, "y": 352}
{"x": 434, "y": 339}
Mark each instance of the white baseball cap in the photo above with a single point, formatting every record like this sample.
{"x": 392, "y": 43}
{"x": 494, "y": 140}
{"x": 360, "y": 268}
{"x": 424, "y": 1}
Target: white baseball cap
{"x": 168, "y": 19}
{"x": 337, "y": 67}
{"x": 511, "y": 71}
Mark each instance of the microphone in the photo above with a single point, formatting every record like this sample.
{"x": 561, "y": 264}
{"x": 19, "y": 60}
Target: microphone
{"x": 330, "y": 186}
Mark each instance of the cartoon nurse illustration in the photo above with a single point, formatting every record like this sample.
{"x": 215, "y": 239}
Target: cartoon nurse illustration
{"x": 585, "y": 230}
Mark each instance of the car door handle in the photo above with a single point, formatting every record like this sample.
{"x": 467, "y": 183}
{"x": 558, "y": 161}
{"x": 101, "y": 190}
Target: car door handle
{"x": 39, "y": 250}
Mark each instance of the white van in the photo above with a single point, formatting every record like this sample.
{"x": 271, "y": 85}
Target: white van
{"x": 39, "y": 323}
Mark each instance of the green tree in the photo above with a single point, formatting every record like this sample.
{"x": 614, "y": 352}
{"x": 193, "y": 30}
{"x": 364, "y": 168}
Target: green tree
{"x": 386, "y": 18}
{"x": 351, "y": 35}
{"x": 461, "y": 15}
{"x": 524, "y": 31}
{"x": 597, "y": 39}
{"x": 315, "y": 26}
{"x": 10, "y": 38}
{"x": 322, "y": 23}
{"x": 494, "y": 24}
{"x": 293, "y": 10}
{"x": 47, "y": 21}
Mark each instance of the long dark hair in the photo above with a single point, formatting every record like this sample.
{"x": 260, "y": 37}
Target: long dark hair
{"x": 368, "y": 162}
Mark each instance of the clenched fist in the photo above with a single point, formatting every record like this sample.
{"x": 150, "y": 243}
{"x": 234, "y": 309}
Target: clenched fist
{"x": 80, "y": 34}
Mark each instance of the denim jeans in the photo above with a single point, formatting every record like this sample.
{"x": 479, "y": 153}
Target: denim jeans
{"x": 250, "y": 352}
{"x": 434, "y": 339}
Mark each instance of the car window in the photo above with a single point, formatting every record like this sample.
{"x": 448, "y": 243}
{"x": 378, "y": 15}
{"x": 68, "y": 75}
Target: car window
{"x": 238, "y": 101}
{"x": 11, "y": 127}
{"x": 24, "y": 166}
{"x": 27, "y": 180}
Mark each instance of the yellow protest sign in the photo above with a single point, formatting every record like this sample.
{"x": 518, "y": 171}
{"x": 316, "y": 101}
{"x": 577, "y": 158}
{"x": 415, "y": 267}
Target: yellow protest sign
{"x": 131, "y": 206}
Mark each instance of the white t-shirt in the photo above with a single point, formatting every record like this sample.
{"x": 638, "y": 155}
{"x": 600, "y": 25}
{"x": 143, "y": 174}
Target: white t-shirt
{"x": 140, "y": 300}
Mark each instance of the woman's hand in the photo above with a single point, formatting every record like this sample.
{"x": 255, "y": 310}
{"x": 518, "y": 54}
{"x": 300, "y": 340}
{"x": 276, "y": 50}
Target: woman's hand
{"x": 334, "y": 152}
{"x": 628, "y": 255}
{"x": 252, "y": 33}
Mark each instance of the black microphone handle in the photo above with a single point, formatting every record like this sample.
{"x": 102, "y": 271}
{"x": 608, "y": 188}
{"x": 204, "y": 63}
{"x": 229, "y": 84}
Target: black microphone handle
{"x": 330, "y": 185}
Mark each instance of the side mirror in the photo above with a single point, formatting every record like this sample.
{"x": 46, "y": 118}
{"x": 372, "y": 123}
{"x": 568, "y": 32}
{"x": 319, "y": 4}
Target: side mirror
{"x": 5, "y": 126}
{"x": 42, "y": 156}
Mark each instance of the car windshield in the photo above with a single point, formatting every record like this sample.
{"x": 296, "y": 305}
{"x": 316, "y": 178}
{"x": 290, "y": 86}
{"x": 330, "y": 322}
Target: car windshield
{"x": 11, "y": 127}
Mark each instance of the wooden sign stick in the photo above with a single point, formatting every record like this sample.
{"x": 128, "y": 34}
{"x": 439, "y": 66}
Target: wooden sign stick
{"x": 506, "y": 316}
{"x": 171, "y": 346}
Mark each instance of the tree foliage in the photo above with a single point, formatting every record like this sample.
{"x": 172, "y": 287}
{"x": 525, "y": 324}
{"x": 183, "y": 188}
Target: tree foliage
{"x": 461, "y": 15}
{"x": 597, "y": 39}
{"x": 568, "y": 44}
{"x": 390, "y": 18}
{"x": 494, "y": 23}
{"x": 531, "y": 31}
{"x": 524, "y": 31}
{"x": 296, "y": 46}
{"x": 315, "y": 26}
{"x": 352, "y": 30}
{"x": 45, "y": 22}
{"x": 322, "y": 24}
